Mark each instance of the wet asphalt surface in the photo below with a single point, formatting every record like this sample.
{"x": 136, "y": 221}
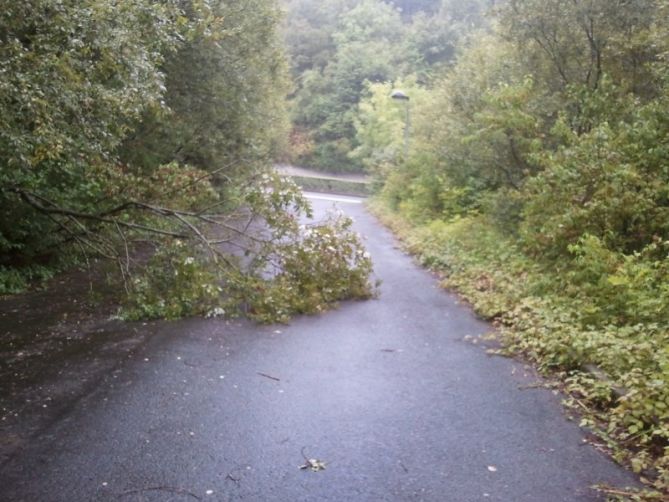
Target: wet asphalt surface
{"x": 389, "y": 393}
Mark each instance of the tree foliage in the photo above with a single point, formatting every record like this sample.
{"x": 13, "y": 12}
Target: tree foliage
{"x": 76, "y": 77}
{"x": 363, "y": 43}
{"x": 221, "y": 82}
{"x": 338, "y": 45}
{"x": 140, "y": 132}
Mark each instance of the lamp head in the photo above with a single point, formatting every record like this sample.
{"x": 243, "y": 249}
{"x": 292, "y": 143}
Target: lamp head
{"x": 398, "y": 94}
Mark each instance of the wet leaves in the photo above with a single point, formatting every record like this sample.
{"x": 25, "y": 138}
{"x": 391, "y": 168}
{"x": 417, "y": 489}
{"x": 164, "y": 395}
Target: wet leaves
{"x": 313, "y": 464}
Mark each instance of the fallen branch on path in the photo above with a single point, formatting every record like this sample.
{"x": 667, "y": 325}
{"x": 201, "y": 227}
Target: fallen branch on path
{"x": 269, "y": 376}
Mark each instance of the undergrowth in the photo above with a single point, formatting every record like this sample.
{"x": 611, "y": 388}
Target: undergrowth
{"x": 13, "y": 280}
{"x": 598, "y": 325}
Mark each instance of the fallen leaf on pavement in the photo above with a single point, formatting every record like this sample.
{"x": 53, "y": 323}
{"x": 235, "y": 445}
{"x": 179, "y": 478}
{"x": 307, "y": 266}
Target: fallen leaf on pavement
{"x": 313, "y": 464}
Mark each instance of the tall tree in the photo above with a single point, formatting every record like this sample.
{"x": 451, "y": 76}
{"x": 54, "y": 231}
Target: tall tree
{"x": 225, "y": 89}
{"x": 76, "y": 77}
{"x": 367, "y": 49}
{"x": 575, "y": 43}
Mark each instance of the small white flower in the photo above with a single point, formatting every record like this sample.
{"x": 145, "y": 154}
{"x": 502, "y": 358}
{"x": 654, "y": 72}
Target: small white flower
{"x": 216, "y": 312}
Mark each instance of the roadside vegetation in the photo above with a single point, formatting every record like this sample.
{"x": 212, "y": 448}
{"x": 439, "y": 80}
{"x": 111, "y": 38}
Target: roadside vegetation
{"x": 536, "y": 179}
{"x": 140, "y": 133}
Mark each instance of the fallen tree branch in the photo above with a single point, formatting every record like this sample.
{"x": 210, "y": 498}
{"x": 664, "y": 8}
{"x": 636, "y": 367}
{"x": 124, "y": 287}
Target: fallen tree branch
{"x": 269, "y": 376}
{"x": 30, "y": 199}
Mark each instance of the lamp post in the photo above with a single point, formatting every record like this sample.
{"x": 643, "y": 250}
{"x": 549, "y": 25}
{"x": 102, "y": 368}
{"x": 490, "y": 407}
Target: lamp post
{"x": 402, "y": 96}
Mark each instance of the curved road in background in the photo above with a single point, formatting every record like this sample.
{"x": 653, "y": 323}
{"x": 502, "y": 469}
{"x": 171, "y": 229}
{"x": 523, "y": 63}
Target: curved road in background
{"x": 288, "y": 170}
{"x": 388, "y": 393}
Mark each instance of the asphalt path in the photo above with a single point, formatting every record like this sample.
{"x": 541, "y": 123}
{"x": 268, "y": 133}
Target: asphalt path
{"x": 390, "y": 394}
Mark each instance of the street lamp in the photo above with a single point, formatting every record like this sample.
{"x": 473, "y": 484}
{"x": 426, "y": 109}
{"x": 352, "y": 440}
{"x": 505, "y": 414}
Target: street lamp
{"x": 402, "y": 96}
